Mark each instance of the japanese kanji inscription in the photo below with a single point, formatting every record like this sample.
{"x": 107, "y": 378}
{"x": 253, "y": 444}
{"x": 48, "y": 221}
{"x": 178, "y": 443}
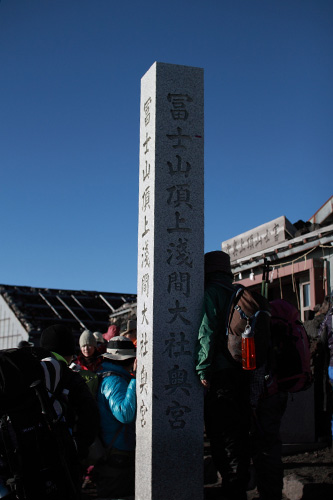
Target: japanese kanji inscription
{"x": 170, "y": 276}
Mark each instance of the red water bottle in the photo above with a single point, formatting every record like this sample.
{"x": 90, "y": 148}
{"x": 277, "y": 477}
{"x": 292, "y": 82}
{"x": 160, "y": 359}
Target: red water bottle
{"x": 248, "y": 349}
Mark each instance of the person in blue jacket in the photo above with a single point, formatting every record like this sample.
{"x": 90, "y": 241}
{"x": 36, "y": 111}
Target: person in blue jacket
{"x": 117, "y": 406}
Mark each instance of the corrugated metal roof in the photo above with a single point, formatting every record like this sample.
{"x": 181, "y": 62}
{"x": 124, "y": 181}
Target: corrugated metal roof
{"x": 38, "y": 308}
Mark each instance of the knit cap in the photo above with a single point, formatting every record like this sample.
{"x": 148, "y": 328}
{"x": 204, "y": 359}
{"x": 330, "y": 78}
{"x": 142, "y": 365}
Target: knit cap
{"x": 217, "y": 261}
{"x": 87, "y": 338}
{"x": 59, "y": 339}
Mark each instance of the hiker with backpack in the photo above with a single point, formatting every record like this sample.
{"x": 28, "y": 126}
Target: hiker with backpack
{"x": 48, "y": 419}
{"x": 83, "y": 416}
{"x": 87, "y": 363}
{"x": 287, "y": 370}
{"x": 250, "y": 355}
{"x": 227, "y": 409}
{"x": 114, "y": 475}
{"x": 38, "y": 457}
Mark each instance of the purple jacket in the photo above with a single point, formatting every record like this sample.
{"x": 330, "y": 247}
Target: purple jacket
{"x": 326, "y": 329}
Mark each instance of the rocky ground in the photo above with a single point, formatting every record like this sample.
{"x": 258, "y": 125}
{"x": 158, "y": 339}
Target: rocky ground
{"x": 314, "y": 473}
{"x": 308, "y": 476}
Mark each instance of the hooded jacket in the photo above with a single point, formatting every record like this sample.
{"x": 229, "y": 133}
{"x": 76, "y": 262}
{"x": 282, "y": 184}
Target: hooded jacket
{"x": 212, "y": 332}
{"x": 117, "y": 405}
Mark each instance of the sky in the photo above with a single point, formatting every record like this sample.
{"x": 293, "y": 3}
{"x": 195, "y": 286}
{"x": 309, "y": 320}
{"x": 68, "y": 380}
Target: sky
{"x": 70, "y": 74}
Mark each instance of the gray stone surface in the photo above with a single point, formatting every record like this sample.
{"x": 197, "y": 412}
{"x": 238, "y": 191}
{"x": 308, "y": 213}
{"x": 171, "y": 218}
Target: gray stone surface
{"x": 169, "y": 451}
{"x": 293, "y": 487}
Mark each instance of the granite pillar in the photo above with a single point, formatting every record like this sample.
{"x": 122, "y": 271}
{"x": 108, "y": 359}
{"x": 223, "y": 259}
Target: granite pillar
{"x": 169, "y": 450}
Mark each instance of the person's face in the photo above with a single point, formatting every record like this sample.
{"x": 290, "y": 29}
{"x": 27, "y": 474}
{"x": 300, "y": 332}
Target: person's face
{"x": 87, "y": 350}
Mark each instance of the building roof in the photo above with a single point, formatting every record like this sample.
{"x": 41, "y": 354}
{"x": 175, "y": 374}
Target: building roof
{"x": 246, "y": 253}
{"x": 325, "y": 213}
{"x": 38, "y": 308}
{"x": 302, "y": 244}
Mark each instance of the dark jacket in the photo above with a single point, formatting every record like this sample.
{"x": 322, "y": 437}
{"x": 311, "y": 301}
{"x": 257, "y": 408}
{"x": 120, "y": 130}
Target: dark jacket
{"x": 82, "y": 410}
{"x": 212, "y": 332}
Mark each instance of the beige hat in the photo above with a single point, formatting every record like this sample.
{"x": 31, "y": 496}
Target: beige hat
{"x": 130, "y": 327}
{"x": 87, "y": 338}
{"x": 119, "y": 348}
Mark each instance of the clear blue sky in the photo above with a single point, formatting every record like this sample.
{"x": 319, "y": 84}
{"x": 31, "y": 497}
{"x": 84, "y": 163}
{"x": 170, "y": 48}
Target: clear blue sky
{"x": 70, "y": 75}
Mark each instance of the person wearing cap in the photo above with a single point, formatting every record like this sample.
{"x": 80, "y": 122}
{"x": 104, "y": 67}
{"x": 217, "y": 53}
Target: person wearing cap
{"x": 87, "y": 363}
{"x": 117, "y": 405}
{"x": 82, "y": 411}
{"x": 130, "y": 331}
{"x": 90, "y": 358}
{"x": 227, "y": 406}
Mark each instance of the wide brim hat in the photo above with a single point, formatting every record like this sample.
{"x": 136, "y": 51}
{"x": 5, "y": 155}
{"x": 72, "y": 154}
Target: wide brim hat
{"x": 119, "y": 348}
{"x": 130, "y": 327}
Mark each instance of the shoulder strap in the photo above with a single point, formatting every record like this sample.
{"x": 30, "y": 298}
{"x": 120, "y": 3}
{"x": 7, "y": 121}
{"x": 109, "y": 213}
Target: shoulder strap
{"x": 236, "y": 290}
{"x": 50, "y": 390}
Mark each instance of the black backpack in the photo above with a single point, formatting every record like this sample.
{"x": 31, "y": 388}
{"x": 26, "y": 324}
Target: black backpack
{"x": 38, "y": 457}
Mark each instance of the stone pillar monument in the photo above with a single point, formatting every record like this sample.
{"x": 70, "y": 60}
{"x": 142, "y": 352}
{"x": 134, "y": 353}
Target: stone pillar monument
{"x": 169, "y": 450}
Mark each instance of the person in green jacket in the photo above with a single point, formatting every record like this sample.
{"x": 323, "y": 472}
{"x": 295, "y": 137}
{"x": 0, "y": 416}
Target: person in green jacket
{"x": 227, "y": 408}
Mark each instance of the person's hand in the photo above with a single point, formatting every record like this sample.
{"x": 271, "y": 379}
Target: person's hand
{"x": 205, "y": 383}
{"x": 135, "y": 364}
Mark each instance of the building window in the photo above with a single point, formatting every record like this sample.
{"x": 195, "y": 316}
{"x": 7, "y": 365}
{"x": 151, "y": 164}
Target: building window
{"x": 305, "y": 298}
{"x": 306, "y": 295}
